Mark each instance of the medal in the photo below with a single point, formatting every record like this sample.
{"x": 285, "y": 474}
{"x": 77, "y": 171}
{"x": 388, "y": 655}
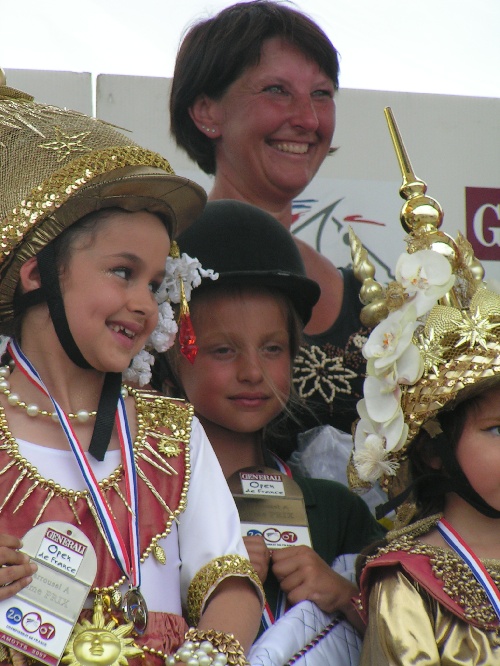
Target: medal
{"x": 135, "y": 610}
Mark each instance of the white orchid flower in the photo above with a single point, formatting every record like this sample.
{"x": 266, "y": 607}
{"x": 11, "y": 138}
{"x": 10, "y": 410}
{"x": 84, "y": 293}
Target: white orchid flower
{"x": 373, "y": 442}
{"x": 382, "y": 398}
{"x": 426, "y": 276}
{"x": 409, "y": 366}
{"x": 389, "y": 340}
{"x": 393, "y": 432}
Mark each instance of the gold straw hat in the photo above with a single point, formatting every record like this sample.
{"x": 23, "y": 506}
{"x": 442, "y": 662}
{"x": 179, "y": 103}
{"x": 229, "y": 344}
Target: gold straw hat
{"x": 436, "y": 336}
{"x": 56, "y": 166}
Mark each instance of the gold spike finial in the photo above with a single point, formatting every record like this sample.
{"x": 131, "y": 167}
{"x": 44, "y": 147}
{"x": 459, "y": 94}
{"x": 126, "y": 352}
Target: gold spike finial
{"x": 419, "y": 210}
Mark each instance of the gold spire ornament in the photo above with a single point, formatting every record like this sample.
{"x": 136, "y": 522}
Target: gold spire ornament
{"x": 437, "y": 336}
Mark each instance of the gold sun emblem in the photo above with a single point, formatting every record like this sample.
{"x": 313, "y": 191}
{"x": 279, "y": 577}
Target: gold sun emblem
{"x": 98, "y": 643}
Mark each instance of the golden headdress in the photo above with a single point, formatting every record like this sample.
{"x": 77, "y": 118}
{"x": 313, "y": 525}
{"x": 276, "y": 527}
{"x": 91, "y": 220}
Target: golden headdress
{"x": 58, "y": 165}
{"x": 436, "y": 335}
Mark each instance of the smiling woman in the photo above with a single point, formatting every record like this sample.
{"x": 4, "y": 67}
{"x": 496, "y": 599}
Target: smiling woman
{"x": 253, "y": 103}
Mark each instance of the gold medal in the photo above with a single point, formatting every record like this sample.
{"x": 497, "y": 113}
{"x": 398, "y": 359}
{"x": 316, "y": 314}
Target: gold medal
{"x": 98, "y": 643}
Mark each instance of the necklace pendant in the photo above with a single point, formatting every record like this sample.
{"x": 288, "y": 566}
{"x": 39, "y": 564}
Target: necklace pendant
{"x": 100, "y": 643}
{"x": 116, "y": 598}
{"x": 159, "y": 554}
{"x": 135, "y": 610}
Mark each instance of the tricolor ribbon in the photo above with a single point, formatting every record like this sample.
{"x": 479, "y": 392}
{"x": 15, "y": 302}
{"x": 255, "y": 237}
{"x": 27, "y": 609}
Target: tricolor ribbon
{"x": 130, "y": 566}
{"x": 268, "y": 617}
{"x": 457, "y": 543}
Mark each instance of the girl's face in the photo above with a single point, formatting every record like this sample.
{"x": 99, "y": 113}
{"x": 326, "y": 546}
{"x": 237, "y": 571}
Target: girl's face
{"x": 240, "y": 379}
{"x": 276, "y": 123}
{"x": 478, "y": 449}
{"x": 108, "y": 286}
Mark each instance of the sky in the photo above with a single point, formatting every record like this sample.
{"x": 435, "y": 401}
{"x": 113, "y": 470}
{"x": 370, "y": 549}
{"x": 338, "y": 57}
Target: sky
{"x": 431, "y": 46}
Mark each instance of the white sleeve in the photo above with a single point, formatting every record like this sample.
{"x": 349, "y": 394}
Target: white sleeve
{"x": 209, "y": 527}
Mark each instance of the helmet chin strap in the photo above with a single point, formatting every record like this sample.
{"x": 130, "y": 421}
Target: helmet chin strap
{"x": 450, "y": 479}
{"x": 50, "y": 292}
{"x": 460, "y": 484}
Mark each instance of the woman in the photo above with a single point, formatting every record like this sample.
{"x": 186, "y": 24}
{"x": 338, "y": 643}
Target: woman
{"x": 253, "y": 104}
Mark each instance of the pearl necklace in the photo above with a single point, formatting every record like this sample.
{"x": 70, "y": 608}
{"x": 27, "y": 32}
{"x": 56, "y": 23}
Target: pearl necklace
{"x": 32, "y": 409}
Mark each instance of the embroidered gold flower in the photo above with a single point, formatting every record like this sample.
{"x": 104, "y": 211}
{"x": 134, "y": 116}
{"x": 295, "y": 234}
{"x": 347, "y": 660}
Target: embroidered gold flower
{"x": 316, "y": 372}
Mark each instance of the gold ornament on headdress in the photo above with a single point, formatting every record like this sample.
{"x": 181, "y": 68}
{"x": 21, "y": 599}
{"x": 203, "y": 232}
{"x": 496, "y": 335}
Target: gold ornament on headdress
{"x": 437, "y": 332}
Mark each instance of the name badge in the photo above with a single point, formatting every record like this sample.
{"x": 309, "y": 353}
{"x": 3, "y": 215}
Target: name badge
{"x": 270, "y": 504}
{"x": 39, "y": 619}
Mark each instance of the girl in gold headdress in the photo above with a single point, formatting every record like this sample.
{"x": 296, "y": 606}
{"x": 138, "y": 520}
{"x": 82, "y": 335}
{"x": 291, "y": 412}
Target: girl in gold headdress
{"x": 430, "y": 429}
{"x": 86, "y": 222}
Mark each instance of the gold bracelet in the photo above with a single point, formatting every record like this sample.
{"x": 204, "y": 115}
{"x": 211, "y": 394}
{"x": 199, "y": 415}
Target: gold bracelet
{"x": 222, "y": 642}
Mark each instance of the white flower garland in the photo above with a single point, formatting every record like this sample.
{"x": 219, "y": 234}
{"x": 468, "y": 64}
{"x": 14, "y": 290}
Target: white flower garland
{"x": 162, "y": 338}
{"x": 394, "y": 360}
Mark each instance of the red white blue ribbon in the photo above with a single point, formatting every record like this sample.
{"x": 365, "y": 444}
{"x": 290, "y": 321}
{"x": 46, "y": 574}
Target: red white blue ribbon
{"x": 130, "y": 566}
{"x": 457, "y": 543}
{"x": 268, "y": 617}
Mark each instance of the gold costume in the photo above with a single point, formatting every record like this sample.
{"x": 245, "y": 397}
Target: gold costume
{"x": 425, "y": 606}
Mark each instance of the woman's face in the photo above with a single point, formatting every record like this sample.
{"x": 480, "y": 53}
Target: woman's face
{"x": 275, "y": 124}
{"x": 478, "y": 449}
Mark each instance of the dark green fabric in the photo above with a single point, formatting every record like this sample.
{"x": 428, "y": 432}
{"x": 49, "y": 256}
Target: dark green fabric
{"x": 339, "y": 521}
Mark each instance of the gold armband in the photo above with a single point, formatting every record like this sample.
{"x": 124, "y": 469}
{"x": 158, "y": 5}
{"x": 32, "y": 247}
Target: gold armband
{"x": 221, "y": 643}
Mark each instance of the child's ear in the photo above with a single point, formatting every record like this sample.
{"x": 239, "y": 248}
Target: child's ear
{"x": 30, "y": 275}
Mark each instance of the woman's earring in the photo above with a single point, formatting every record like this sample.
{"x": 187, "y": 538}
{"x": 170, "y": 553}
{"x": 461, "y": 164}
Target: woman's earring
{"x": 208, "y": 129}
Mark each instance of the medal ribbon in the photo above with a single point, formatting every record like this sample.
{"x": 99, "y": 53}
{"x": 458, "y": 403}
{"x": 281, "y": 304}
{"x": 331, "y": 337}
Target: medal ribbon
{"x": 268, "y": 617}
{"x": 455, "y": 541}
{"x": 129, "y": 566}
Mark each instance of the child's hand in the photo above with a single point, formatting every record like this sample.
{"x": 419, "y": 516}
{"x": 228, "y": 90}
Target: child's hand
{"x": 259, "y": 554}
{"x": 302, "y": 574}
{"x": 16, "y": 570}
